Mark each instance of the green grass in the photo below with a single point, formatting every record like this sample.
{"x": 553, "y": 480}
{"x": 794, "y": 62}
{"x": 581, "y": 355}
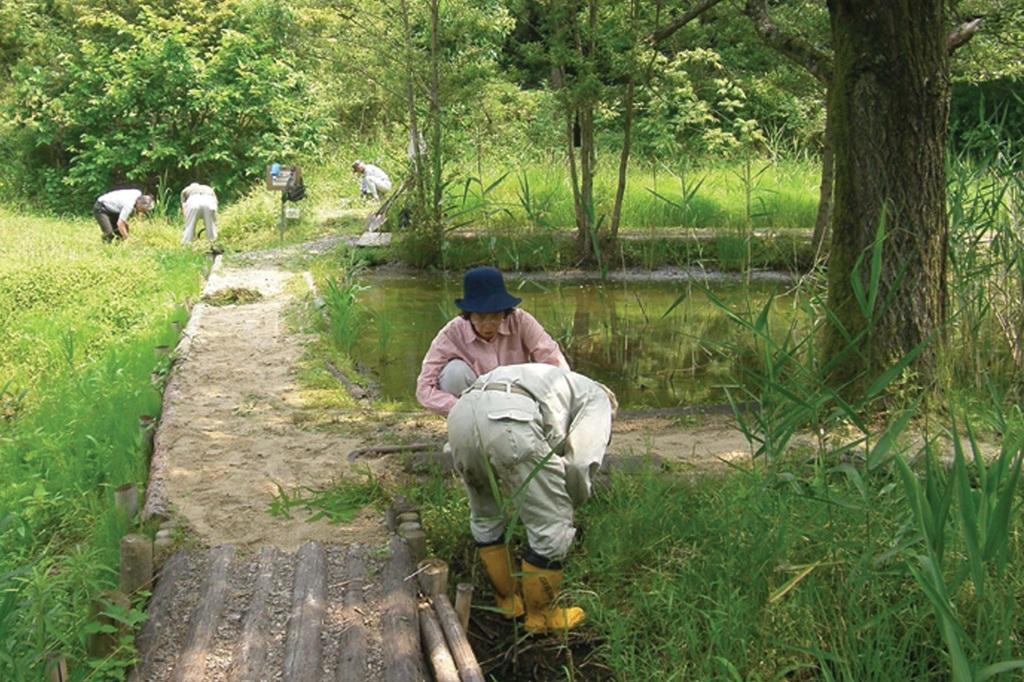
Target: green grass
{"x": 712, "y": 196}
{"x": 81, "y": 321}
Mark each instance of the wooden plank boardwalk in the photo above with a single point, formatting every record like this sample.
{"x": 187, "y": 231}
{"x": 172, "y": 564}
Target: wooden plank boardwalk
{"x": 325, "y": 613}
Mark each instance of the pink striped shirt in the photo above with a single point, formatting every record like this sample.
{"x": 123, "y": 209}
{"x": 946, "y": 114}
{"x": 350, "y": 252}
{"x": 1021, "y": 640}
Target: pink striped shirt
{"x": 520, "y": 338}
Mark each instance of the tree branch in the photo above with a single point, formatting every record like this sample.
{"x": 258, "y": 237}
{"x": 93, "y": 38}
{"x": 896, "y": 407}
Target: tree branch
{"x": 794, "y": 47}
{"x": 962, "y": 34}
{"x": 667, "y": 30}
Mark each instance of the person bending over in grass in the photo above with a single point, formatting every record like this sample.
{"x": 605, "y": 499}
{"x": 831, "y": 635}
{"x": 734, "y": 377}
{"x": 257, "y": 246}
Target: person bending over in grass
{"x": 112, "y": 209}
{"x": 530, "y": 436}
{"x": 199, "y": 200}
{"x": 489, "y": 333}
{"x": 374, "y": 181}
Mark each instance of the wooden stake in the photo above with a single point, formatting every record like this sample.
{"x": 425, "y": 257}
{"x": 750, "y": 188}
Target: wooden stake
{"x": 463, "y": 602}
{"x": 136, "y": 563}
{"x": 103, "y": 644}
{"x": 56, "y": 667}
{"x": 126, "y": 500}
{"x": 163, "y": 547}
{"x": 147, "y": 429}
{"x": 436, "y": 648}
{"x": 417, "y": 541}
{"x": 465, "y": 659}
{"x": 408, "y": 526}
{"x": 433, "y": 577}
{"x": 408, "y": 517}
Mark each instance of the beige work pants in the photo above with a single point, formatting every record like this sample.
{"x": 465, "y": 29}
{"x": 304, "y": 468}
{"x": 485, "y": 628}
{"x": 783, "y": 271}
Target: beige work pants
{"x": 498, "y": 445}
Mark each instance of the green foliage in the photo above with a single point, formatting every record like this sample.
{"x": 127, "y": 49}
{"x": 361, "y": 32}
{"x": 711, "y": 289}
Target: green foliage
{"x": 73, "y": 434}
{"x": 338, "y": 502}
{"x": 154, "y": 96}
{"x": 345, "y": 318}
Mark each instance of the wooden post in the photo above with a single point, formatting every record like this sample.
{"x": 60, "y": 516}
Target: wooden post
{"x": 103, "y": 644}
{"x": 126, "y": 500}
{"x": 147, "y": 429}
{"x": 433, "y": 577}
{"x": 408, "y": 517}
{"x": 56, "y": 667}
{"x": 436, "y": 648}
{"x": 417, "y": 541}
{"x": 465, "y": 659}
{"x": 136, "y": 563}
{"x": 163, "y": 546}
{"x": 463, "y": 602}
{"x": 407, "y": 526}
{"x": 398, "y": 506}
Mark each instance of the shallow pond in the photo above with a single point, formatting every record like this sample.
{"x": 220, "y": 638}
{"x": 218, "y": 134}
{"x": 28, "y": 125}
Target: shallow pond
{"x": 616, "y": 332}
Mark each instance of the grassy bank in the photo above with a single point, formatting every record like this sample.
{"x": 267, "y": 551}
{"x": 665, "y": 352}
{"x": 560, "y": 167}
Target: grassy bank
{"x": 80, "y": 321}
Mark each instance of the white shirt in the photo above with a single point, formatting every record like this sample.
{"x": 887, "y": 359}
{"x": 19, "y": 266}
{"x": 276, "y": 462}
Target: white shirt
{"x": 378, "y": 177}
{"x": 120, "y": 201}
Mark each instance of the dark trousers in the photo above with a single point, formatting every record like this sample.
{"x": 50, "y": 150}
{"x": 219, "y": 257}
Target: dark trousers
{"x": 107, "y": 220}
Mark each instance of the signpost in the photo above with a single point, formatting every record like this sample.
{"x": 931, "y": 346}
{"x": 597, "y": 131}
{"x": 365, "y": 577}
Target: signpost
{"x": 288, "y": 181}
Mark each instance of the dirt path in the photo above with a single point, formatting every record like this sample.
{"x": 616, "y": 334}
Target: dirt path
{"x": 229, "y": 435}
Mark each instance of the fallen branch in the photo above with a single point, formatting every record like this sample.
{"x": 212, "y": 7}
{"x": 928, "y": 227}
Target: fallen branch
{"x": 388, "y": 449}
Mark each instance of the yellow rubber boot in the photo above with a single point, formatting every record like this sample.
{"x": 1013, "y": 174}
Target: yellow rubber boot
{"x": 540, "y": 590}
{"x": 498, "y": 566}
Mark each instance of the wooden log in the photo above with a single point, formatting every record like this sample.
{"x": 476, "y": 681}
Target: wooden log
{"x": 126, "y": 500}
{"x": 250, "y": 657}
{"x": 202, "y": 629}
{"x": 159, "y": 616}
{"x": 103, "y": 644}
{"x": 309, "y": 593}
{"x": 465, "y": 659}
{"x": 403, "y": 660}
{"x": 408, "y": 517}
{"x": 352, "y": 652}
{"x": 463, "y": 603}
{"x": 433, "y": 576}
{"x": 436, "y": 648}
{"x": 56, "y": 667}
{"x": 136, "y": 563}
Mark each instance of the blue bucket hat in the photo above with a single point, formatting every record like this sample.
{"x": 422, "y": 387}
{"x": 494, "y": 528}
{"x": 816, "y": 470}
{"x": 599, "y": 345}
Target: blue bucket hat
{"x": 483, "y": 291}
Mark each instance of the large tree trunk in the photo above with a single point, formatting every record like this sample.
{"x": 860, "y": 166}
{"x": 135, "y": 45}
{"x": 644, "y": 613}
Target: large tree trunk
{"x": 890, "y": 98}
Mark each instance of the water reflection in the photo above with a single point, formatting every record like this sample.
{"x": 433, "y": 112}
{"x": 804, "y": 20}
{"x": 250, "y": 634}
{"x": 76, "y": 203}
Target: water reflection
{"x": 615, "y": 332}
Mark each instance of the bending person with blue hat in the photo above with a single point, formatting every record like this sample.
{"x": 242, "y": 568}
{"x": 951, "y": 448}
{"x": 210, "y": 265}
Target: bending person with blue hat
{"x": 491, "y": 332}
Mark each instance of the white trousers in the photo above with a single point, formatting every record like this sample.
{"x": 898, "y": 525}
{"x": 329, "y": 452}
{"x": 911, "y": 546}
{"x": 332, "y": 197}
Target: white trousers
{"x": 374, "y": 187}
{"x": 200, "y": 205}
